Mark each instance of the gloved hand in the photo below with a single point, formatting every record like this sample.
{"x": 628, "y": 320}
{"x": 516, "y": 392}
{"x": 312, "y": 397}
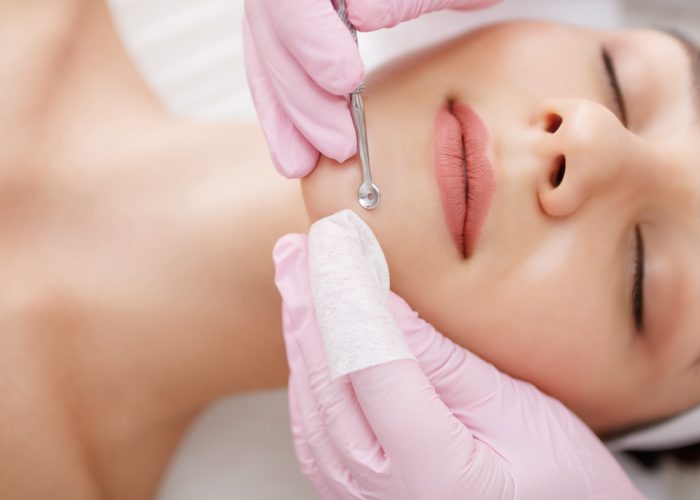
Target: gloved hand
{"x": 301, "y": 62}
{"x": 448, "y": 425}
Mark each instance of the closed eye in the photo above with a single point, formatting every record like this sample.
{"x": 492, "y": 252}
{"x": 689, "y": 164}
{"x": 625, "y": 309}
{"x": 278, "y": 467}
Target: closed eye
{"x": 614, "y": 85}
{"x": 638, "y": 282}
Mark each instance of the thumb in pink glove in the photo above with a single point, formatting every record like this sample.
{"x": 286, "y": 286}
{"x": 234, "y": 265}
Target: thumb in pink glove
{"x": 448, "y": 425}
{"x": 301, "y": 62}
{"x": 370, "y": 15}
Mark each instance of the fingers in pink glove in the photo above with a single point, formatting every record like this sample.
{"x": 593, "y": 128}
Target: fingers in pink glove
{"x": 448, "y": 365}
{"x": 371, "y": 15}
{"x": 322, "y": 117}
{"x": 419, "y": 433}
{"x": 354, "y": 440}
{"x": 349, "y": 282}
{"x": 315, "y": 35}
{"x": 316, "y": 454}
{"x": 292, "y": 155}
{"x": 334, "y": 440}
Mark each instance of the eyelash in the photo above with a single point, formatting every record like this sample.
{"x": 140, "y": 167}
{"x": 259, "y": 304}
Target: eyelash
{"x": 638, "y": 283}
{"x": 614, "y": 84}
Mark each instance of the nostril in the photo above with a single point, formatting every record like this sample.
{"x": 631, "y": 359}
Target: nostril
{"x": 558, "y": 172}
{"x": 552, "y": 122}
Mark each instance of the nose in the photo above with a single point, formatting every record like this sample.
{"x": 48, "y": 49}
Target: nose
{"x": 583, "y": 149}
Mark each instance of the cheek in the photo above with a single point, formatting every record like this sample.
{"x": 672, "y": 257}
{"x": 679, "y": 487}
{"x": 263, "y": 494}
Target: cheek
{"x": 564, "y": 339}
{"x": 518, "y": 67}
{"x": 573, "y": 349}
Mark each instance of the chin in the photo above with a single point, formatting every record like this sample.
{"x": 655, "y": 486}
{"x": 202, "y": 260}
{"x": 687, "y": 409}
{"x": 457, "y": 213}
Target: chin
{"x": 332, "y": 187}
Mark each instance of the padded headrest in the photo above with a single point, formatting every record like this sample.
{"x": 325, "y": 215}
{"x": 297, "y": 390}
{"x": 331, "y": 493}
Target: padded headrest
{"x": 676, "y": 432}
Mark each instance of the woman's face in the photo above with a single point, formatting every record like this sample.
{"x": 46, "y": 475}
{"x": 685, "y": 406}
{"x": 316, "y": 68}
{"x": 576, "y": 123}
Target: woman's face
{"x": 586, "y": 187}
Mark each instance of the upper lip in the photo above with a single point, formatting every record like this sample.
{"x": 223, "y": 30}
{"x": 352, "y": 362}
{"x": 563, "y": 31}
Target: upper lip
{"x": 464, "y": 173}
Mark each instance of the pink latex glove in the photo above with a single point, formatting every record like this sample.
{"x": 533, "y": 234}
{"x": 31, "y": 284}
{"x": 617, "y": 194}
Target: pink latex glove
{"x": 301, "y": 62}
{"x": 448, "y": 425}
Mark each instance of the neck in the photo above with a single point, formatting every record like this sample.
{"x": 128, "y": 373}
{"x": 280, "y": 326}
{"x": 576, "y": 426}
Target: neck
{"x": 150, "y": 241}
{"x": 200, "y": 205}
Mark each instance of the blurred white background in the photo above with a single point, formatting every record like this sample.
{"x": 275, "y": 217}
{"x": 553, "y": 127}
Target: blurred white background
{"x": 190, "y": 52}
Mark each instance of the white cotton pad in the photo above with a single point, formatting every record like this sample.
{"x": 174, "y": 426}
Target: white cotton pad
{"x": 681, "y": 430}
{"x": 349, "y": 280}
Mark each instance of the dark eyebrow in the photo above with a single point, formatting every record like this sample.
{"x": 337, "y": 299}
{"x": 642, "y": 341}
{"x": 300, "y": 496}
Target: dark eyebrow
{"x": 693, "y": 50}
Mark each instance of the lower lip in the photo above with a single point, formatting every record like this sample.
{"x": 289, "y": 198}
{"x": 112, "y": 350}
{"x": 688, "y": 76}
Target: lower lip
{"x": 466, "y": 194}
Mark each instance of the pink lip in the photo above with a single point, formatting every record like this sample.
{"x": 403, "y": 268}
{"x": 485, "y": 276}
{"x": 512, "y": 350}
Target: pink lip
{"x": 460, "y": 132}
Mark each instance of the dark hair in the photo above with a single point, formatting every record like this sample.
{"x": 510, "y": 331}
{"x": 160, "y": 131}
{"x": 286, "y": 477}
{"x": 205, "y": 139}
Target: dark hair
{"x": 687, "y": 455}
